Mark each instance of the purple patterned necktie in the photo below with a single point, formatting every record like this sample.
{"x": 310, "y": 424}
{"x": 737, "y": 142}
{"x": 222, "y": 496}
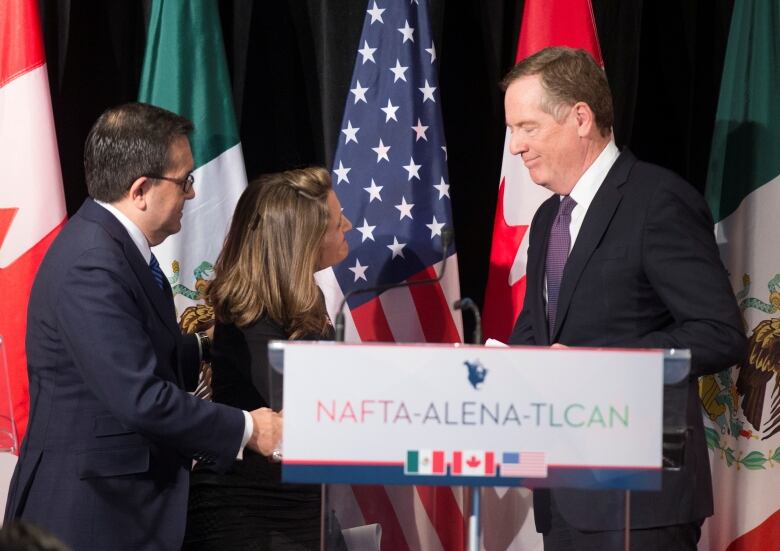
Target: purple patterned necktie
{"x": 557, "y": 253}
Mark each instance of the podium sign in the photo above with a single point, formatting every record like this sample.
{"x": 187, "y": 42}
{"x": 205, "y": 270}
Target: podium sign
{"x": 466, "y": 415}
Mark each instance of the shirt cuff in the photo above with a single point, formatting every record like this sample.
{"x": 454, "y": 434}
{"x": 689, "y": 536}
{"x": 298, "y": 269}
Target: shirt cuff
{"x": 248, "y": 428}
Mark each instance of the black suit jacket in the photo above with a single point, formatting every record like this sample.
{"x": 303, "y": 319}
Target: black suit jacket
{"x": 111, "y": 437}
{"x": 644, "y": 271}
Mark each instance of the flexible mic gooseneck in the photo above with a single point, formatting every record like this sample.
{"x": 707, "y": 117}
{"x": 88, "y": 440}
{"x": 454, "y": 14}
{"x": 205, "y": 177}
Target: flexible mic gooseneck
{"x": 446, "y": 239}
{"x": 467, "y": 304}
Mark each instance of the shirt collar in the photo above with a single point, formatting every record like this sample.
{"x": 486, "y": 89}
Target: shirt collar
{"x": 135, "y": 232}
{"x": 589, "y": 183}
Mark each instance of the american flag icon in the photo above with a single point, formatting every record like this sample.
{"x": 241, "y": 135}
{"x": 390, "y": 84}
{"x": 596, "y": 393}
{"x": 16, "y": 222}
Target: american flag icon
{"x": 524, "y": 464}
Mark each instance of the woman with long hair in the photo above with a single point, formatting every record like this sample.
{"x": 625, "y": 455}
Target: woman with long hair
{"x": 286, "y": 226}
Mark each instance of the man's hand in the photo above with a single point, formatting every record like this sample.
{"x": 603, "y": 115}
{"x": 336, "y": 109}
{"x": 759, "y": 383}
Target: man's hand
{"x": 266, "y": 431}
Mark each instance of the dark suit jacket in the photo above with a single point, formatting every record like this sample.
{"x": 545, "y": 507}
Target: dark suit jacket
{"x": 111, "y": 437}
{"x": 644, "y": 272}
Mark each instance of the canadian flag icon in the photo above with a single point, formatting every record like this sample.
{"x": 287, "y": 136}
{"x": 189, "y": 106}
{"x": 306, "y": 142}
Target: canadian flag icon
{"x": 473, "y": 463}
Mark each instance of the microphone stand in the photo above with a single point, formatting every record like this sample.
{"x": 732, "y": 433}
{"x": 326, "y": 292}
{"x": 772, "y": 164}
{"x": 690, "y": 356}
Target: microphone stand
{"x": 338, "y": 325}
{"x": 474, "y": 493}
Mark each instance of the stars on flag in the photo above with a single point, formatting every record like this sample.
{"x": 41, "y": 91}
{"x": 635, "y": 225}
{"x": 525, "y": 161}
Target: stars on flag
{"x": 376, "y": 14}
{"x": 432, "y": 51}
{"x": 341, "y": 172}
{"x": 381, "y": 151}
{"x": 443, "y": 188}
{"x": 359, "y": 271}
{"x": 360, "y": 93}
{"x": 435, "y": 227}
{"x": 427, "y": 92}
{"x": 397, "y": 248}
{"x": 419, "y": 131}
{"x": 374, "y": 190}
{"x": 407, "y": 31}
{"x": 405, "y": 208}
{"x": 366, "y": 231}
{"x": 367, "y": 52}
{"x": 390, "y": 111}
{"x": 350, "y": 133}
{"x": 412, "y": 169}
{"x": 399, "y": 72}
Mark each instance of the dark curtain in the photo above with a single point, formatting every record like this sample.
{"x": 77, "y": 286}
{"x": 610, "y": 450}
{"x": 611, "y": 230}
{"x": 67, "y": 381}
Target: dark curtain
{"x": 291, "y": 63}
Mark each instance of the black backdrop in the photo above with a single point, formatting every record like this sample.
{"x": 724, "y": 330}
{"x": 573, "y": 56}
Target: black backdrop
{"x": 291, "y": 61}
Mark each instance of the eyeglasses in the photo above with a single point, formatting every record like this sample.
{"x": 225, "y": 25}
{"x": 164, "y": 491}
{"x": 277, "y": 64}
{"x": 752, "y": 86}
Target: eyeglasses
{"x": 184, "y": 183}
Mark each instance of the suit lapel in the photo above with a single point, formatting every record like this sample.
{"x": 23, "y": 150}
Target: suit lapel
{"x": 161, "y": 300}
{"x": 594, "y": 225}
{"x": 536, "y": 269}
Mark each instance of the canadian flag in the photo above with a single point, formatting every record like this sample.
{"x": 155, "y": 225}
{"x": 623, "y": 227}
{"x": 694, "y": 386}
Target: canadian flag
{"x": 545, "y": 23}
{"x": 32, "y": 204}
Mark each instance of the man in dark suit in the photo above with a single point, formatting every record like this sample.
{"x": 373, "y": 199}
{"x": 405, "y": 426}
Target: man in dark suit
{"x": 112, "y": 431}
{"x": 622, "y": 255}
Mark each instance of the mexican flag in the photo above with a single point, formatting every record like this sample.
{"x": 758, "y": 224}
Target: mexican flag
{"x": 185, "y": 71}
{"x": 32, "y": 205}
{"x": 742, "y": 405}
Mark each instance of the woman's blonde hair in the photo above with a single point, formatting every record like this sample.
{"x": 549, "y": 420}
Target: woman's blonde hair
{"x": 270, "y": 254}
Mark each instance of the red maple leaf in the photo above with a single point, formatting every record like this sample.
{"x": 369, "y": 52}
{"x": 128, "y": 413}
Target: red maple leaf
{"x": 473, "y": 462}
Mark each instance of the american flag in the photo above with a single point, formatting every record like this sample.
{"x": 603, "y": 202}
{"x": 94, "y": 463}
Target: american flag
{"x": 524, "y": 464}
{"x": 390, "y": 174}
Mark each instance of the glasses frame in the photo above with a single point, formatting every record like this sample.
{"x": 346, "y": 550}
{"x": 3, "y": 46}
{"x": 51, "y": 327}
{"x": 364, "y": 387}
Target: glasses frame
{"x": 185, "y": 183}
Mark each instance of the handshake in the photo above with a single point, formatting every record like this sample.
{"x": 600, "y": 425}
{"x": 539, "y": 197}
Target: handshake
{"x": 266, "y": 431}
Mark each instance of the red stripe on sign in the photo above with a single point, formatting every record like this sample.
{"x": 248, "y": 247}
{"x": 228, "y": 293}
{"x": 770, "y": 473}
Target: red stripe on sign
{"x": 764, "y": 536}
{"x": 457, "y": 463}
{"x": 438, "y": 462}
{"x": 371, "y": 322}
{"x": 22, "y": 48}
{"x": 432, "y": 309}
{"x": 490, "y": 463}
{"x": 377, "y": 508}
{"x": 445, "y": 514}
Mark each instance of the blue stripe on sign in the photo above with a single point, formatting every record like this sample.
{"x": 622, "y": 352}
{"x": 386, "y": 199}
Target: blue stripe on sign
{"x": 612, "y": 479}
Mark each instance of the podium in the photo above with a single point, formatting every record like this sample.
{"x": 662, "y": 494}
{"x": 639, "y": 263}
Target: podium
{"x": 456, "y": 415}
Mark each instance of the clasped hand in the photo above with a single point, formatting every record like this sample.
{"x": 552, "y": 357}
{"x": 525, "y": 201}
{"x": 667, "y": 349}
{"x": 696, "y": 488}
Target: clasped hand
{"x": 266, "y": 431}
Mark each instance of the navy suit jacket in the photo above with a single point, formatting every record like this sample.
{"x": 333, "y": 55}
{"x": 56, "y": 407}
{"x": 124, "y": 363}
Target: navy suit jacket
{"x": 644, "y": 272}
{"x": 112, "y": 433}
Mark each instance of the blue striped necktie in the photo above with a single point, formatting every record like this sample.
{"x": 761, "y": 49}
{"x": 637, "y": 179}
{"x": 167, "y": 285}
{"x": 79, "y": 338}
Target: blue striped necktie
{"x": 157, "y": 272}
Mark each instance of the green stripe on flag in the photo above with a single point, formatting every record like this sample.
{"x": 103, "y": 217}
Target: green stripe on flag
{"x": 412, "y": 461}
{"x": 197, "y": 85}
{"x": 746, "y": 141}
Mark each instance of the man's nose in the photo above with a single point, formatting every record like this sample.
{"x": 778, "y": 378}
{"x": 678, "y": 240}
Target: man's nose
{"x": 517, "y": 144}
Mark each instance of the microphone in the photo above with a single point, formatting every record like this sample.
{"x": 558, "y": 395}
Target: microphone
{"x": 467, "y": 304}
{"x": 446, "y": 239}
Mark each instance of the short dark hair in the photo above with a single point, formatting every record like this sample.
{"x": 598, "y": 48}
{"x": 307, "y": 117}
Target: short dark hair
{"x": 127, "y": 142}
{"x": 568, "y": 76}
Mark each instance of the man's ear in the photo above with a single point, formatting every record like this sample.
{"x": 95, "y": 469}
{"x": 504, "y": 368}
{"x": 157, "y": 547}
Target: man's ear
{"x": 583, "y": 115}
{"x": 138, "y": 192}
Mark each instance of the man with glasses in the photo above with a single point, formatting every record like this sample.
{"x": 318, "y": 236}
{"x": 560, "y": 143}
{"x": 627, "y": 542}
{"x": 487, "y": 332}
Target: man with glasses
{"x": 112, "y": 430}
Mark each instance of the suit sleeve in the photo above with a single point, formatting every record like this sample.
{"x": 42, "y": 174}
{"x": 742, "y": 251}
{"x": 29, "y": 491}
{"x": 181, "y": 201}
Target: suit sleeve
{"x": 683, "y": 266}
{"x": 189, "y": 362}
{"x": 108, "y": 335}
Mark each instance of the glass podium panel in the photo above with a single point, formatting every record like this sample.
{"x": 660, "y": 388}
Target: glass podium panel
{"x": 370, "y": 510}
